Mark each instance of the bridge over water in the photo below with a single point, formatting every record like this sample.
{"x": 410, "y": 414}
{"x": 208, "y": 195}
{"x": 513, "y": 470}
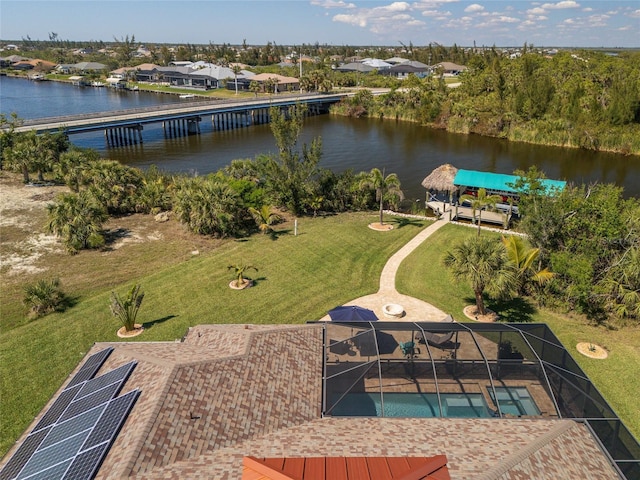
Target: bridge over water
{"x": 124, "y": 127}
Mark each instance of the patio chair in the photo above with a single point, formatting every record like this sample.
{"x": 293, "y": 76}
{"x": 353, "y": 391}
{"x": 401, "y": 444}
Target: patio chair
{"x": 435, "y": 339}
{"x": 408, "y": 348}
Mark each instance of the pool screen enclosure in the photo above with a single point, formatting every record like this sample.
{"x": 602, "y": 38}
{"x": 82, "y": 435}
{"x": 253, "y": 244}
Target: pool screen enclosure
{"x": 464, "y": 370}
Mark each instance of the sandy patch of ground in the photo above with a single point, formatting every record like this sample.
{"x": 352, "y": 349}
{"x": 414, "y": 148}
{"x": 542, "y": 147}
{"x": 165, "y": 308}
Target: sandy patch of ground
{"x": 380, "y": 227}
{"x": 21, "y": 207}
{"x": 592, "y": 350}
{"x": 22, "y": 218}
{"x": 472, "y": 313}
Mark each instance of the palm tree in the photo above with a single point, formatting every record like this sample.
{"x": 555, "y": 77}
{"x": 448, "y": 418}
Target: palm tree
{"x": 23, "y": 155}
{"x": 74, "y": 168}
{"x": 78, "y": 219}
{"x": 483, "y": 263}
{"x": 385, "y": 186}
{"x": 44, "y": 296}
{"x": 126, "y": 309}
{"x": 622, "y": 289}
{"x": 479, "y": 202}
{"x": 523, "y": 260}
{"x": 264, "y": 217}
{"x": 236, "y": 69}
{"x": 254, "y": 87}
{"x": 209, "y": 206}
{"x": 239, "y": 271}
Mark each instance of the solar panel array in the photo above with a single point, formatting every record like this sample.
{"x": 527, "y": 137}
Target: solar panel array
{"x": 72, "y": 438}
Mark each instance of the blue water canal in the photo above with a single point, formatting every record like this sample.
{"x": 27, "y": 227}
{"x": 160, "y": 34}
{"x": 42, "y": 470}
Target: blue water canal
{"x": 409, "y": 150}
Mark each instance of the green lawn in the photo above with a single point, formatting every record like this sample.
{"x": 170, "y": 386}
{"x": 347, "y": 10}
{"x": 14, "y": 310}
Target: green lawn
{"x": 423, "y": 276}
{"x": 331, "y": 261}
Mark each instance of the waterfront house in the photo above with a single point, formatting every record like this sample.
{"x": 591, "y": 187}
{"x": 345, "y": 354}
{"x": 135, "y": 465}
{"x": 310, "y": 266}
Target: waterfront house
{"x": 450, "y": 69}
{"x": 228, "y": 400}
{"x": 147, "y": 72}
{"x": 280, "y": 82}
{"x": 88, "y": 67}
{"x": 402, "y": 70}
{"x": 396, "y": 60}
{"x": 355, "y": 67}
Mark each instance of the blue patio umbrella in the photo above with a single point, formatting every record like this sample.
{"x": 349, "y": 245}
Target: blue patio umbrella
{"x": 352, "y": 313}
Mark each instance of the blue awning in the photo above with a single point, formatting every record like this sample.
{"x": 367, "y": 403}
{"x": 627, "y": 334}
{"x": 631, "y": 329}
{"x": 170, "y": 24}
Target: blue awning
{"x": 498, "y": 181}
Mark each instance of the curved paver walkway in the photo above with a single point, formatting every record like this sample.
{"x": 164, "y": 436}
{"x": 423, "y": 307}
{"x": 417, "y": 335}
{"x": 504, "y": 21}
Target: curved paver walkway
{"x": 415, "y": 310}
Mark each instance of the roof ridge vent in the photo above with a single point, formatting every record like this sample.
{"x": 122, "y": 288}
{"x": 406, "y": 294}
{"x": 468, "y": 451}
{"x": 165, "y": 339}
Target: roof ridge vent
{"x": 514, "y": 459}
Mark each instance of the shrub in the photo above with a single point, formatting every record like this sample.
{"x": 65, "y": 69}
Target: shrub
{"x": 126, "y": 309}
{"x": 44, "y": 297}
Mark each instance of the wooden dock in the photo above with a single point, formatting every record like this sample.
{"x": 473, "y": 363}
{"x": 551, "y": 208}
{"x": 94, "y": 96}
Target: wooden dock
{"x": 457, "y": 212}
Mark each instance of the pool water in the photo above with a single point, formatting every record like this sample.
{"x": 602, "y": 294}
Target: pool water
{"x": 515, "y": 401}
{"x": 412, "y": 405}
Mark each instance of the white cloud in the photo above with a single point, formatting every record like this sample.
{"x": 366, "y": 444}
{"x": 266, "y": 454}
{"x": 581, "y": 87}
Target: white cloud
{"x": 634, "y": 14}
{"x": 394, "y": 7}
{"x": 561, "y": 5}
{"x": 357, "y": 20}
{"x": 432, "y": 4}
{"x": 332, "y": 4}
{"x": 474, "y": 7}
{"x": 505, "y": 19}
{"x": 598, "y": 20}
{"x": 383, "y": 19}
{"x": 587, "y": 9}
{"x": 536, "y": 11}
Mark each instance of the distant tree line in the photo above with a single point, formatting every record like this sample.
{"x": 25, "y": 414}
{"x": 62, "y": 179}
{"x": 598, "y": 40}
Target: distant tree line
{"x": 590, "y": 100}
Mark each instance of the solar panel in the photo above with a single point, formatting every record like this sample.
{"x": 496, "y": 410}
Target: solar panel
{"x": 120, "y": 375}
{"x": 75, "y": 425}
{"x": 110, "y": 422}
{"x": 85, "y": 465}
{"x": 44, "y": 458}
{"x": 75, "y": 434}
{"x": 90, "y": 401}
{"x": 90, "y": 367}
{"x": 22, "y": 455}
{"x": 54, "y": 472}
{"x": 58, "y": 407}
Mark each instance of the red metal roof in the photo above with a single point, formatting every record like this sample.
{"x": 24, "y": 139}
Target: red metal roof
{"x": 346, "y": 468}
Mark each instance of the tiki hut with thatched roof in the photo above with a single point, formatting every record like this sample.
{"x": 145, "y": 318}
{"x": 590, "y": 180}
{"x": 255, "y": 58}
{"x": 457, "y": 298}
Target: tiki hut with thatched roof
{"x": 439, "y": 184}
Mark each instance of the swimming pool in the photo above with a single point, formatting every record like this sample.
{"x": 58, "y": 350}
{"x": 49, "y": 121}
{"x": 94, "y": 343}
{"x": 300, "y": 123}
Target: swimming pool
{"x": 515, "y": 401}
{"x": 411, "y": 405}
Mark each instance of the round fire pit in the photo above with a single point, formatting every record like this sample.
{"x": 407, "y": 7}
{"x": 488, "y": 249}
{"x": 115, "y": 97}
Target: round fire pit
{"x": 393, "y": 310}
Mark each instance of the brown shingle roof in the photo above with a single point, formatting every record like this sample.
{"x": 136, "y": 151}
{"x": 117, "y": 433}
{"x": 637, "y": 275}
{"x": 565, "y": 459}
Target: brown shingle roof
{"x": 230, "y": 391}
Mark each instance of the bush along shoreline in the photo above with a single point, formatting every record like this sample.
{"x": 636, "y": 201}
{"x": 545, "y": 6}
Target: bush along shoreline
{"x": 590, "y": 102}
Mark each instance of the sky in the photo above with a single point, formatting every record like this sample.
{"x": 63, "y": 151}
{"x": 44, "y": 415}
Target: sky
{"x": 564, "y": 23}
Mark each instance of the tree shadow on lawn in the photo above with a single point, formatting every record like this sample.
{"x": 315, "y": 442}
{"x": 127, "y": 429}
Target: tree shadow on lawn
{"x": 406, "y": 222}
{"x": 113, "y": 236}
{"x": 514, "y": 310}
{"x": 256, "y": 281}
{"x": 275, "y": 234}
{"x": 159, "y": 320}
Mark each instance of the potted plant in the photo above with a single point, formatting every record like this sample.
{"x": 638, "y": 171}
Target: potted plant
{"x": 126, "y": 309}
{"x": 240, "y": 281}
